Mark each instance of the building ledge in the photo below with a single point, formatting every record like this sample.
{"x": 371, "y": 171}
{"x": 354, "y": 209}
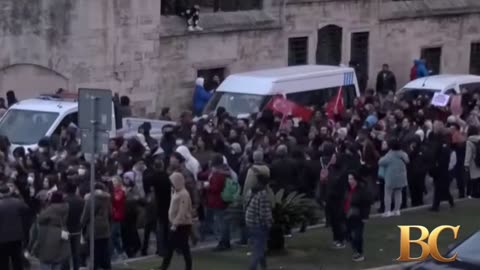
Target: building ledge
{"x": 398, "y": 10}
{"x": 219, "y": 22}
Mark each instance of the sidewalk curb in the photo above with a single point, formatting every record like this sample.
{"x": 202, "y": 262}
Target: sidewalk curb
{"x": 317, "y": 226}
{"x": 399, "y": 266}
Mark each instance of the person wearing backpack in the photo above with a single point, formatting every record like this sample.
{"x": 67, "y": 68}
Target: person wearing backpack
{"x": 216, "y": 205}
{"x": 472, "y": 161}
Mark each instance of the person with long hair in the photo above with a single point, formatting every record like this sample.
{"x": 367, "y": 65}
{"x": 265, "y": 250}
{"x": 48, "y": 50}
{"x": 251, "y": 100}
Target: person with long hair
{"x": 394, "y": 164}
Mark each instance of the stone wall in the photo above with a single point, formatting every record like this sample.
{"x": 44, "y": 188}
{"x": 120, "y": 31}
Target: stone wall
{"x": 398, "y": 30}
{"x": 126, "y": 46}
{"x": 88, "y": 43}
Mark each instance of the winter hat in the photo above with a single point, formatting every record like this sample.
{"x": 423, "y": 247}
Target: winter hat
{"x": 237, "y": 148}
{"x": 282, "y": 150}
{"x": 371, "y": 121}
{"x": 342, "y": 132}
{"x": 258, "y": 156}
{"x": 420, "y": 134}
{"x": 129, "y": 179}
{"x": 200, "y": 81}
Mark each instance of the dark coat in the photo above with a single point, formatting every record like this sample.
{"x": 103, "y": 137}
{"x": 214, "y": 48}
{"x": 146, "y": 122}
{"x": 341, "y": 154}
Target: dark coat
{"x": 49, "y": 246}
{"x": 163, "y": 192}
{"x": 13, "y": 219}
{"x": 283, "y": 174}
{"x": 386, "y": 82}
{"x": 75, "y": 210}
{"x": 103, "y": 214}
{"x": 360, "y": 202}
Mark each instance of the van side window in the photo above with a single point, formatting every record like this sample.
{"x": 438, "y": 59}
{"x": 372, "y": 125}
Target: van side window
{"x": 450, "y": 91}
{"x": 471, "y": 87}
{"x": 66, "y": 121}
{"x": 318, "y": 98}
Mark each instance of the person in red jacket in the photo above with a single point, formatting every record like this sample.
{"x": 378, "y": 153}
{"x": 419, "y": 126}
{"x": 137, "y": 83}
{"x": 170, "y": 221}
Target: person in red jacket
{"x": 118, "y": 215}
{"x": 216, "y": 207}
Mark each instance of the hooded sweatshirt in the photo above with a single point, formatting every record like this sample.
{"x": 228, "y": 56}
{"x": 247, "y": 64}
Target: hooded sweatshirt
{"x": 180, "y": 211}
{"x": 421, "y": 69}
{"x": 200, "y": 96}
{"x": 191, "y": 163}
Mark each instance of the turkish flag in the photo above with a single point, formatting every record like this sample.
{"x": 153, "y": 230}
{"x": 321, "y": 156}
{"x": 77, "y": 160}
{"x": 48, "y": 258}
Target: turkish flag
{"x": 335, "y": 105}
{"x": 286, "y": 107}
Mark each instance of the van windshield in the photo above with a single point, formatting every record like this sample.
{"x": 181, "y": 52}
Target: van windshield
{"x": 26, "y": 127}
{"x": 236, "y": 103}
{"x": 409, "y": 94}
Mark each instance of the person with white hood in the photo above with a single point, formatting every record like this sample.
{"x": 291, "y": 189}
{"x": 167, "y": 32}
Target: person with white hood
{"x": 191, "y": 163}
{"x": 200, "y": 96}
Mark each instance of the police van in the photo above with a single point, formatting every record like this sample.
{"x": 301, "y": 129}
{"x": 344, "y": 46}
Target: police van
{"x": 242, "y": 94}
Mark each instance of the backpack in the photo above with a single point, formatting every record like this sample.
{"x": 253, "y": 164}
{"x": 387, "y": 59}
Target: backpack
{"x": 324, "y": 172}
{"x": 231, "y": 190}
{"x": 477, "y": 153}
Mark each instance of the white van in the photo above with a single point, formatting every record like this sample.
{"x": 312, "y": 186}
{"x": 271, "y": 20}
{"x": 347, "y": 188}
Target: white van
{"x": 27, "y": 121}
{"x": 449, "y": 84}
{"x": 310, "y": 85}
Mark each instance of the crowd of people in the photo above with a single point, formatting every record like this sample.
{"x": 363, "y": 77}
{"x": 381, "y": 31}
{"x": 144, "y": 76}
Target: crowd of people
{"x": 182, "y": 187}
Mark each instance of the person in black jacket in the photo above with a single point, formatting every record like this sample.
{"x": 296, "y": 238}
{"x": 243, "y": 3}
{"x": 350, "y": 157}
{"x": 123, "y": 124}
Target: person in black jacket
{"x": 163, "y": 191}
{"x": 13, "y": 229}
{"x": 335, "y": 190}
{"x": 357, "y": 204}
{"x": 441, "y": 173}
{"x": 386, "y": 81}
{"x": 75, "y": 210}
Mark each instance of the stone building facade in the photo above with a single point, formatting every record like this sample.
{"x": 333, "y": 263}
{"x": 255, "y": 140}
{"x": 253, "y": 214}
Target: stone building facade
{"x": 129, "y": 47}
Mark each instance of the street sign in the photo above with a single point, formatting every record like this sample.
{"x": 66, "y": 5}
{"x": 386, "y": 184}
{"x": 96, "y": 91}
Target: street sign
{"x": 97, "y": 141}
{"x": 95, "y": 105}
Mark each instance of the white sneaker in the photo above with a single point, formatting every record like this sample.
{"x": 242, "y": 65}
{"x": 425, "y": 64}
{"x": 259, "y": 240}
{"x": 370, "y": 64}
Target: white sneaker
{"x": 338, "y": 245}
{"x": 198, "y": 28}
{"x": 387, "y": 214}
{"x": 396, "y": 213}
{"x": 191, "y": 29}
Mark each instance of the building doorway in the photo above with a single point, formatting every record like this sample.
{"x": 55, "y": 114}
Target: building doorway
{"x": 432, "y": 57}
{"x": 329, "y": 45}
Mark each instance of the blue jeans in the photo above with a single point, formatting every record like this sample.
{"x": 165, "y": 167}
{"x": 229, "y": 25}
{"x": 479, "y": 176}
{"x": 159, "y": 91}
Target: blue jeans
{"x": 116, "y": 243}
{"x": 44, "y": 266}
{"x": 259, "y": 237}
{"x": 221, "y": 224}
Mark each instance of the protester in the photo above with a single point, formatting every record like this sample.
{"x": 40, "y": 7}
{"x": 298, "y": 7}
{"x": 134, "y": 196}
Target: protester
{"x": 118, "y": 216}
{"x": 180, "y": 216}
{"x": 75, "y": 208}
{"x": 13, "y": 229}
{"x": 332, "y": 156}
{"x": 200, "y": 97}
{"x": 259, "y": 221}
{"x": 386, "y": 81}
{"x": 11, "y": 98}
{"x": 395, "y": 165}
{"x": 102, "y": 216}
{"x": 216, "y": 206}
{"x": 472, "y": 167}
{"x": 357, "y": 208}
{"x": 51, "y": 245}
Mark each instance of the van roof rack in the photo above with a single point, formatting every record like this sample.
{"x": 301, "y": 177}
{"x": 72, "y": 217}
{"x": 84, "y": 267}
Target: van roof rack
{"x": 60, "y": 96}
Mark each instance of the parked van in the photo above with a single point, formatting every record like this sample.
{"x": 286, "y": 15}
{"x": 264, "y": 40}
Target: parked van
{"x": 27, "y": 121}
{"x": 310, "y": 85}
{"x": 449, "y": 84}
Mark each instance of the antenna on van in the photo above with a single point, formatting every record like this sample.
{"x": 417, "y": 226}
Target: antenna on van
{"x": 426, "y": 79}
